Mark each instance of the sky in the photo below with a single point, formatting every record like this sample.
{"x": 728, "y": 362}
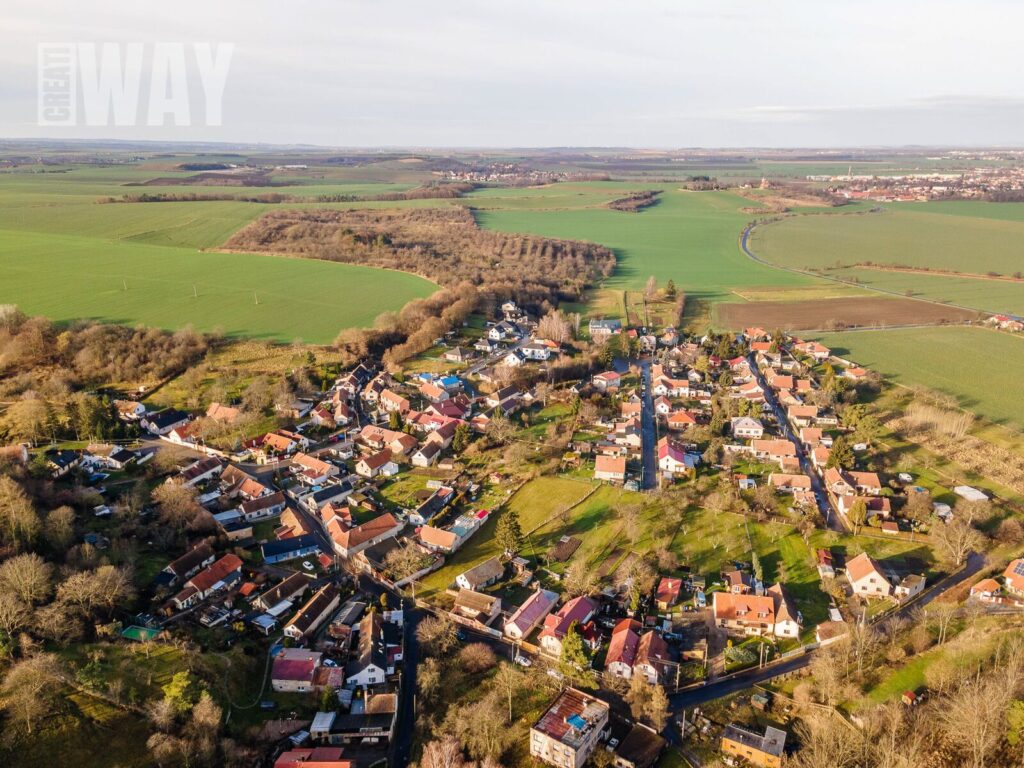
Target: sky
{"x": 543, "y": 73}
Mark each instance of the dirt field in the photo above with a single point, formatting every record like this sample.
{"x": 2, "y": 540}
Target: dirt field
{"x": 830, "y": 314}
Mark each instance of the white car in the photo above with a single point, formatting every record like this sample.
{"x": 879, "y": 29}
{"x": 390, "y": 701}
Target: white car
{"x": 522, "y": 661}
{"x": 307, "y": 565}
{"x": 905, "y": 477}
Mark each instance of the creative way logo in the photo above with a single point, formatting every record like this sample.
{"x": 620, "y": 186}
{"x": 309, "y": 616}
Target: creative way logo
{"x": 102, "y": 84}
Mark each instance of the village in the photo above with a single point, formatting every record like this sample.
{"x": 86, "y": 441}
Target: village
{"x": 372, "y": 511}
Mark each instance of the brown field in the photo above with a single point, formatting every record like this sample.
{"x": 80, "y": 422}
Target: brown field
{"x": 831, "y": 314}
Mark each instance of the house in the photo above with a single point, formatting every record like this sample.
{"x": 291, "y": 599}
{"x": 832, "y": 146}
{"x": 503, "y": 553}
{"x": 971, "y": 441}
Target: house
{"x": 773, "y": 450}
{"x": 786, "y": 483}
{"x": 163, "y": 422}
{"x": 504, "y": 330}
{"x": 765, "y": 751}
{"x": 370, "y": 663}
{"x": 569, "y": 731}
{"x": 911, "y": 585}
{"x": 667, "y": 593}
{"x": 602, "y": 329}
{"x": 485, "y": 345}
{"x": 317, "y": 757}
{"x": 332, "y": 493}
{"x": 744, "y": 614}
{"x": 641, "y": 748}
{"x": 787, "y": 619}
{"x": 673, "y": 460}
{"x": 293, "y": 670}
{"x": 802, "y": 415}
{"x": 288, "y": 549}
{"x": 539, "y": 350}
{"x": 866, "y": 577}
{"x": 187, "y": 566}
{"x": 476, "y": 606}
{"x": 622, "y": 649}
{"x": 604, "y": 382}
{"x": 377, "y": 464}
{"x": 662, "y": 406}
{"x": 61, "y": 462}
{"x": 434, "y": 393}
{"x": 456, "y": 355}
{"x": 313, "y": 614}
{"x": 263, "y": 507}
{"x": 311, "y": 470}
{"x": 481, "y": 575}
{"x": 1013, "y": 577}
{"x": 611, "y": 468}
{"x": 215, "y": 577}
{"x": 746, "y": 428}
{"x": 224, "y": 414}
{"x": 652, "y": 657}
{"x": 349, "y": 541}
{"x": 528, "y": 616}
{"x": 579, "y": 611}
{"x": 426, "y": 455}
{"x": 680, "y": 420}
{"x": 129, "y": 410}
{"x": 514, "y": 359}
{"x": 986, "y": 590}
{"x": 321, "y": 416}
{"x": 738, "y": 582}
{"x": 288, "y": 589}
{"x": 866, "y": 482}
{"x": 814, "y": 350}
{"x": 439, "y": 540}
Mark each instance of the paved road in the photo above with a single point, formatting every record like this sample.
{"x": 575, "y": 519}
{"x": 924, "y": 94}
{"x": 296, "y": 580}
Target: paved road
{"x": 648, "y": 431}
{"x": 832, "y": 519}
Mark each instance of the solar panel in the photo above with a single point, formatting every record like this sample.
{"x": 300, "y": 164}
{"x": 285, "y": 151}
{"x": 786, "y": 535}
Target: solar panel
{"x": 1018, "y": 569}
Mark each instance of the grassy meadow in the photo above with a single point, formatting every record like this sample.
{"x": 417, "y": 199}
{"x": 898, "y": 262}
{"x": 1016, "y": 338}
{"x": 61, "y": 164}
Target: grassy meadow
{"x": 981, "y": 368}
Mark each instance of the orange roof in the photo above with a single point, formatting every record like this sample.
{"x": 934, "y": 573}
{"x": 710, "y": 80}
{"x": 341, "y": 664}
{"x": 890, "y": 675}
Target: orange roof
{"x": 437, "y": 537}
{"x": 353, "y": 537}
{"x": 861, "y": 566}
{"x": 985, "y": 585}
{"x": 624, "y": 642}
{"x": 774, "y": 447}
{"x": 611, "y": 464}
{"x": 312, "y": 463}
{"x": 744, "y": 607}
{"x": 219, "y": 412}
{"x": 208, "y": 577}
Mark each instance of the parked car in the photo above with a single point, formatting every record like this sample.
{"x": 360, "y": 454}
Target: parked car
{"x": 522, "y": 661}
{"x": 307, "y": 565}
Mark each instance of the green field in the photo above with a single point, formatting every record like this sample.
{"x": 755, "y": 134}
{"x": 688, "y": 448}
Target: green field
{"x": 68, "y": 277}
{"x": 964, "y": 236}
{"x": 69, "y": 257}
{"x": 688, "y": 237}
{"x": 982, "y": 369}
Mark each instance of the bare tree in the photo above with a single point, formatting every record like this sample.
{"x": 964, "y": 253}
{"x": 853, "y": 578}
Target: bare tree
{"x": 19, "y": 523}
{"x": 956, "y": 540}
{"x": 30, "y": 688}
{"x": 940, "y": 615}
{"x": 14, "y": 614}
{"x": 826, "y": 743}
{"x": 442, "y": 753}
{"x": 28, "y": 577}
{"x": 974, "y": 717}
{"x": 508, "y": 680}
{"x": 438, "y": 634}
{"x": 477, "y": 657}
{"x": 580, "y": 578}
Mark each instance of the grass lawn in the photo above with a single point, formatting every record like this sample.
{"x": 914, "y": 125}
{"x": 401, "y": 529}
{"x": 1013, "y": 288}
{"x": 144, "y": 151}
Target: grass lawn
{"x": 981, "y": 368}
